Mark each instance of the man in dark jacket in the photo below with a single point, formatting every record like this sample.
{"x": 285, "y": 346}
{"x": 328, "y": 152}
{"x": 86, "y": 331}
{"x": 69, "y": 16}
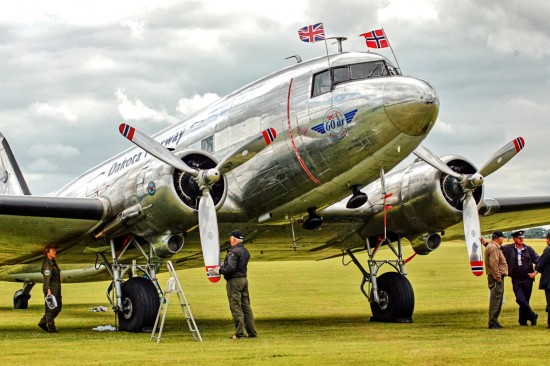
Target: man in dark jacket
{"x": 543, "y": 266}
{"x": 234, "y": 269}
{"x": 520, "y": 259}
{"x": 51, "y": 286}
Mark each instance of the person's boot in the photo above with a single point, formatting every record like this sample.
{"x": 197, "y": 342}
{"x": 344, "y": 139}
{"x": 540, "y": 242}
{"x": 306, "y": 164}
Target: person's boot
{"x": 42, "y": 325}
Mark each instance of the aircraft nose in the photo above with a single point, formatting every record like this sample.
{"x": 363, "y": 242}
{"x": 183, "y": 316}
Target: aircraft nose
{"x": 411, "y": 104}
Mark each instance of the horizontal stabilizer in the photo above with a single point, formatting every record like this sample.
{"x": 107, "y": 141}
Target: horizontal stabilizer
{"x": 11, "y": 178}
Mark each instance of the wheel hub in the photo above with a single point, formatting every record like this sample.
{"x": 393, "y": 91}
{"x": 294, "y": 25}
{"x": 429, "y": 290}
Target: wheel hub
{"x": 127, "y": 308}
{"x": 384, "y": 300}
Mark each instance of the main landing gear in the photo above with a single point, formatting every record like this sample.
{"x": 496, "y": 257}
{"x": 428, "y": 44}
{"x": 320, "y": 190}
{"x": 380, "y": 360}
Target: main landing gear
{"x": 22, "y": 296}
{"x": 135, "y": 301}
{"x": 391, "y": 295}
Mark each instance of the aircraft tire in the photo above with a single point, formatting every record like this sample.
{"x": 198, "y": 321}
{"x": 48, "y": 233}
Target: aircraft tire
{"x": 397, "y": 299}
{"x": 140, "y": 304}
{"x": 21, "y": 300}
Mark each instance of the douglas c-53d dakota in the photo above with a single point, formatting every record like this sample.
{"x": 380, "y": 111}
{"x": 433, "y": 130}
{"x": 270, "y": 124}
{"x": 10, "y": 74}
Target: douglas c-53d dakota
{"x": 299, "y": 153}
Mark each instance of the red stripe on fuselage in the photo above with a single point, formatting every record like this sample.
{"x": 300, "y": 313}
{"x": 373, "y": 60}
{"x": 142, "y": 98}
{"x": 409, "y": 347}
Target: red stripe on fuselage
{"x": 304, "y": 167}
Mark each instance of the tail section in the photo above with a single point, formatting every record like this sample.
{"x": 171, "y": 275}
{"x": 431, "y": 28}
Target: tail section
{"x": 11, "y": 178}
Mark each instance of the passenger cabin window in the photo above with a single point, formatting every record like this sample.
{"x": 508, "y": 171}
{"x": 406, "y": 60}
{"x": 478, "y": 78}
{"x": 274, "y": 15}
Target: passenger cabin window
{"x": 322, "y": 81}
{"x": 208, "y": 144}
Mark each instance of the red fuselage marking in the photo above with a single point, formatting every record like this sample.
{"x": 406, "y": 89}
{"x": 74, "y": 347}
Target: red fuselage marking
{"x": 304, "y": 167}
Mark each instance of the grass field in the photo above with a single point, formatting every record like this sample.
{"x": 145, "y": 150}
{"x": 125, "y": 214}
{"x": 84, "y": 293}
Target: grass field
{"x": 307, "y": 313}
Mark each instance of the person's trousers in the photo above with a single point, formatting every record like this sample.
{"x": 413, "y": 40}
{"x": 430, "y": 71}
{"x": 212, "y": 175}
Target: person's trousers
{"x": 495, "y": 299}
{"x": 547, "y": 294}
{"x": 523, "y": 289}
{"x": 50, "y": 314}
{"x": 239, "y": 304}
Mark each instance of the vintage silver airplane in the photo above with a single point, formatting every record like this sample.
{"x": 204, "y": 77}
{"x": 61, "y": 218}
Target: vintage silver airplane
{"x": 286, "y": 149}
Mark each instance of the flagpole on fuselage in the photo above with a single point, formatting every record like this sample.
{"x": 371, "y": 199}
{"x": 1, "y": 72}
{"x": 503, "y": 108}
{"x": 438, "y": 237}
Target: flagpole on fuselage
{"x": 391, "y": 48}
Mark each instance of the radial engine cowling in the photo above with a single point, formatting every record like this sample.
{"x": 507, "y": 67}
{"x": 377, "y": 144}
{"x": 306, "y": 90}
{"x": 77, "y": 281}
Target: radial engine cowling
{"x": 423, "y": 201}
{"x": 168, "y": 198}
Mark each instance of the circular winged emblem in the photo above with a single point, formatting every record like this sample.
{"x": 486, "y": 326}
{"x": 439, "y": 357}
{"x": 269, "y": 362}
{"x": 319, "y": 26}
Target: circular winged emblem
{"x": 335, "y": 124}
{"x": 47, "y": 272}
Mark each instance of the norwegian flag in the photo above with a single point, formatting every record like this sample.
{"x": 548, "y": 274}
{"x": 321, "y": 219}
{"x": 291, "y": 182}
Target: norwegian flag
{"x": 312, "y": 33}
{"x": 376, "y": 39}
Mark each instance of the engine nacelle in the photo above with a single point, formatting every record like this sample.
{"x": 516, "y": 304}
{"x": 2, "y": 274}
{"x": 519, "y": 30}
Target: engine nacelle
{"x": 165, "y": 246}
{"x": 167, "y": 198}
{"x": 423, "y": 201}
{"x": 425, "y": 244}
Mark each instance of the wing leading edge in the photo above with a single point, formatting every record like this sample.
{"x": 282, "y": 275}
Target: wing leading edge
{"x": 28, "y": 223}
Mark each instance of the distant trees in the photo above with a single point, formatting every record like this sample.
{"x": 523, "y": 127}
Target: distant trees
{"x": 532, "y": 233}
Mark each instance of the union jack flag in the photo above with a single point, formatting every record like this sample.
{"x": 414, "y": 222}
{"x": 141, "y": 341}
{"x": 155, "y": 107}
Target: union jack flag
{"x": 376, "y": 39}
{"x": 312, "y": 33}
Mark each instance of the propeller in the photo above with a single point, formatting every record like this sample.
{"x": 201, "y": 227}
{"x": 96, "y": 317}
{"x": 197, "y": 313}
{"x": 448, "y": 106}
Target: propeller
{"x": 469, "y": 182}
{"x": 205, "y": 178}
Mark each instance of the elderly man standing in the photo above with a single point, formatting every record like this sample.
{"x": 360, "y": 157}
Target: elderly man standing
{"x": 234, "y": 270}
{"x": 521, "y": 258}
{"x": 495, "y": 264}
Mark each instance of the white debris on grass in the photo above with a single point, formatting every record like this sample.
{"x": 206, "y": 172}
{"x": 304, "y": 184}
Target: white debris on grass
{"x": 105, "y": 328}
{"x": 99, "y": 309}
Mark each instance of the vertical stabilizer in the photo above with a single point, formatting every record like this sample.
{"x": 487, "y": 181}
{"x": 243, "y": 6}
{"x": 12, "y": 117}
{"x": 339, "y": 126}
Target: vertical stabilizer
{"x": 11, "y": 178}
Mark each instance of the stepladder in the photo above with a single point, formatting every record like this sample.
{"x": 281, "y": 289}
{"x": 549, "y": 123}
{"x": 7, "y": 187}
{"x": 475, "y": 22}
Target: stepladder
{"x": 173, "y": 285}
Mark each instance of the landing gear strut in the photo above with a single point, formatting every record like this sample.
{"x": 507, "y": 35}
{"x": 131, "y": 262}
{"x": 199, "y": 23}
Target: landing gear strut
{"x": 137, "y": 300}
{"x": 391, "y": 295}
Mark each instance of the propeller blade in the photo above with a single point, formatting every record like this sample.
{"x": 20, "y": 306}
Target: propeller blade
{"x": 472, "y": 233}
{"x": 501, "y": 157}
{"x": 247, "y": 150}
{"x": 434, "y": 161}
{"x": 208, "y": 228}
{"x": 154, "y": 148}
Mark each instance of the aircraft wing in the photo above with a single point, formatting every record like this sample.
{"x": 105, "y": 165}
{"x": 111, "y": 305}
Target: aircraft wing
{"x": 509, "y": 213}
{"x": 28, "y": 223}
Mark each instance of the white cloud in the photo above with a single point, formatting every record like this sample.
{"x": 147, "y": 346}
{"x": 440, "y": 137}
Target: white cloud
{"x": 56, "y": 112}
{"x": 100, "y": 63}
{"x": 67, "y": 11}
{"x": 42, "y": 165}
{"x": 136, "y": 26}
{"x": 186, "y": 106}
{"x": 138, "y": 111}
{"x": 417, "y": 10}
{"x": 55, "y": 150}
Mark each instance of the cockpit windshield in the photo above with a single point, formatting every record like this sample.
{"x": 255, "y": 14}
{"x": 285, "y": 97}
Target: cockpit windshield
{"x": 323, "y": 83}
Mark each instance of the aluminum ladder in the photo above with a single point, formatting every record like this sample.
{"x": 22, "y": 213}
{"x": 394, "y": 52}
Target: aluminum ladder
{"x": 173, "y": 285}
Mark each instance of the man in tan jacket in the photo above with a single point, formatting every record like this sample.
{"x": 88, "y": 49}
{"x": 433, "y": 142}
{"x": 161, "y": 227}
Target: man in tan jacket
{"x": 495, "y": 264}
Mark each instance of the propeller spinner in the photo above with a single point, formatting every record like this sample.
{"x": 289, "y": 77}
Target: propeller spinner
{"x": 467, "y": 183}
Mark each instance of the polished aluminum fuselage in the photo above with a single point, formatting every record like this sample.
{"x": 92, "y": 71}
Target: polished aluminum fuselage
{"x": 302, "y": 168}
{"x": 325, "y": 144}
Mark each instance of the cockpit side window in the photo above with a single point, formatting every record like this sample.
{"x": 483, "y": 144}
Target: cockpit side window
{"x": 341, "y": 74}
{"x": 321, "y": 83}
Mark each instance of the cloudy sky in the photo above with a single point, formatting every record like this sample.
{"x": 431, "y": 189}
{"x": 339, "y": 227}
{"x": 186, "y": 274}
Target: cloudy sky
{"x": 70, "y": 72}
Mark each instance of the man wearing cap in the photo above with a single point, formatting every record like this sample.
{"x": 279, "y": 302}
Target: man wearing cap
{"x": 234, "y": 270}
{"x": 496, "y": 266}
{"x": 520, "y": 258}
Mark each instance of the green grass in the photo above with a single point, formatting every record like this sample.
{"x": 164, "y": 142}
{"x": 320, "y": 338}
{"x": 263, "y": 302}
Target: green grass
{"x": 307, "y": 313}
